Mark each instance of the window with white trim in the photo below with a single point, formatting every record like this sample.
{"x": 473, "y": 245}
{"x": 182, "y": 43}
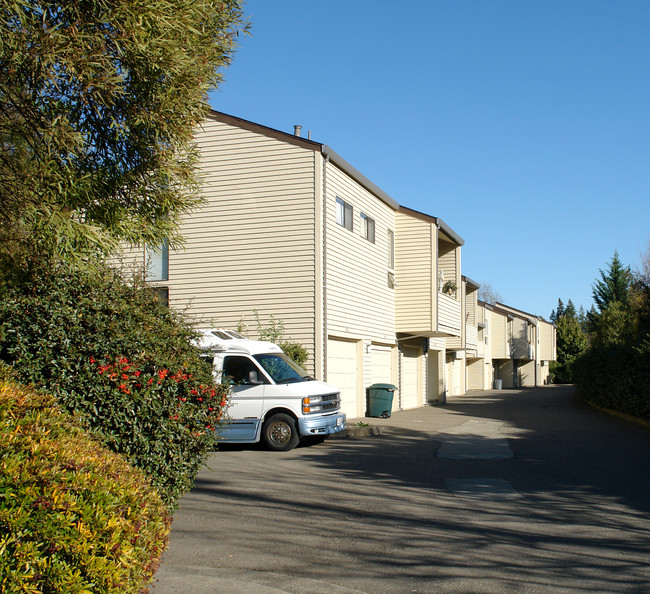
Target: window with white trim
{"x": 368, "y": 227}
{"x": 157, "y": 262}
{"x": 344, "y": 213}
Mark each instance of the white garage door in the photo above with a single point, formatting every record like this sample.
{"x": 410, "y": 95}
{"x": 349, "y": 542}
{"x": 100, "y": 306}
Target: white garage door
{"x": 381, "y": 364}
{"x": 410, "y": 393}
{"x": 342, "y": 372}
{"x": 453, "y": 377}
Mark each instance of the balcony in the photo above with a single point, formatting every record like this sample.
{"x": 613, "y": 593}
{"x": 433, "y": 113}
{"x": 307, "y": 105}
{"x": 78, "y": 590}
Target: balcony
{"x": 471, "y": 336}
{"x": 449, "y": 318}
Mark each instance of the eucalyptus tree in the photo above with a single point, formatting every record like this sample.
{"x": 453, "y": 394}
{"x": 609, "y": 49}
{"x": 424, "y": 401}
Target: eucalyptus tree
{"x": 99, "y": 100}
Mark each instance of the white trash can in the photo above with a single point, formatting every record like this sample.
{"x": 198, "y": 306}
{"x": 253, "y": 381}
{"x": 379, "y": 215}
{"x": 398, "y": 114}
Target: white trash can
{"x": 498, "y": 384}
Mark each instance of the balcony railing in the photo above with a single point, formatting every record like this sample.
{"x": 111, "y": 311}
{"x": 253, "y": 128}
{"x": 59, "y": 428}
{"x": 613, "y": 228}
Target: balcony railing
{"x": 448, "y": 315}
{"x": 471, "y": 336}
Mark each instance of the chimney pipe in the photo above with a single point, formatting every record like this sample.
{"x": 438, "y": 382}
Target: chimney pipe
{"x": 296, "y": 130}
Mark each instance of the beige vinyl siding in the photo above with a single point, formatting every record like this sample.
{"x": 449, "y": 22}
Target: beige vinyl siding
{"x": 526, "y": 374}
{"x": 475, "y": 368}
{"x": 381, "y": 364}
{"x": 415, "y": 274}
{"x": 499, "y": 336}
{"x": 504, "y": 372}
{"x": 454, "y": 370}
{"x": 455, "y": 343}
{"x": 359, "y": 301}
{"x": 471, "y": 306}
{"x": 520, "y": 338}
{"x": 343, "y": 371}
{"x": 252, "y": 246}
{"x": 411, "y": 378}
{"x": 448, "y": 264}
{"x": 449, "y": 315}
{"x": 546, "y": 341}
{"x": 130, "y": 260}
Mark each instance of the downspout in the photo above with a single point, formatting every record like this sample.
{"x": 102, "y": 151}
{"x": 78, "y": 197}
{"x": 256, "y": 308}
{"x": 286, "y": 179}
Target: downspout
{"x": 326, "y": 161}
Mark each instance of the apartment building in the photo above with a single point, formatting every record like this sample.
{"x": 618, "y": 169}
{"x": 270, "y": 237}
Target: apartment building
{"x": 291, "y": 230}
{"x": 518, "y": 347}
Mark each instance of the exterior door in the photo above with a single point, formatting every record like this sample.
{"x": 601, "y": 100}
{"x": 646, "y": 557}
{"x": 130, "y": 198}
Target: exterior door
{"x": 410, "y": 394}
{"x": 342, "y": 372}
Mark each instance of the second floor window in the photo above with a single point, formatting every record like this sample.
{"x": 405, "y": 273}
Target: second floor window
{"x": 157, "y": 262}
{"x": 368, "y": 227}
{"x": 344, "y": 213}
{"x": 391, "y": 250}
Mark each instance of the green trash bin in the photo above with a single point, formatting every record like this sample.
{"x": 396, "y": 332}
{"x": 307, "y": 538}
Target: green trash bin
{"x": 380, "y": 400}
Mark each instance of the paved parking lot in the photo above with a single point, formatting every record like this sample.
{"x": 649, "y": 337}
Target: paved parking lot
{"x": 509, "y": 491}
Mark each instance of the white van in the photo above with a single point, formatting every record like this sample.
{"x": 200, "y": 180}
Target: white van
{"x": 273, "y": 399}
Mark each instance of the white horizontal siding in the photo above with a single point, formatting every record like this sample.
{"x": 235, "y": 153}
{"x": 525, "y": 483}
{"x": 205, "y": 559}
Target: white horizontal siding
{"x": 359, "y": 300}
{"x": 448, "y": 262}
{"x": 546, "y": 341}
{"x": 252, "y": 245}
{"x": 471, "y": 336}
{"x": 499, "y": 338}
{"x": 520, "y": 339}
{"x": 415, "y": 273}
{"x": 449, "y": 314}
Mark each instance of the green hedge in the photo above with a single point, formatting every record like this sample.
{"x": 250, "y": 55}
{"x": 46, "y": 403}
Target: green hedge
{"x": 74, "y": 517}
{"x": 616, "y": 377}
{"x": 122, "y": 362}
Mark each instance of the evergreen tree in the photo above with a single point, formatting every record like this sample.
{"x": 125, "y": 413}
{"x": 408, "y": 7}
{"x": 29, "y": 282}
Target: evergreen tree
{"x": 571, "y": 310}
{"x": 613, "y": 286}
{"x": 582, "y": 318}
{"x": 571, "y": 342}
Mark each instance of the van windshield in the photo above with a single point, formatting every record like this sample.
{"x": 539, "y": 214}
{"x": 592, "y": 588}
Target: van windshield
{"x": 282, "y": 369}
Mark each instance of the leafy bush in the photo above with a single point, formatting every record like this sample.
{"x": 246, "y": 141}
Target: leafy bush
{"x": 120, "y": 360}
{"x": 74, "y": 517}
{"x": 274, "y": 332}
{"x": 616, "y": 377}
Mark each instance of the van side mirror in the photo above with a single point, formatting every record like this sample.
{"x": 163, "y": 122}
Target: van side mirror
{"x": 254, "y": 379}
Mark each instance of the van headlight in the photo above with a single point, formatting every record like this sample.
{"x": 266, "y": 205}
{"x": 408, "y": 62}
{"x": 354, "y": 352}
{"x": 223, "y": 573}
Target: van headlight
{"x": 312, "y": 404}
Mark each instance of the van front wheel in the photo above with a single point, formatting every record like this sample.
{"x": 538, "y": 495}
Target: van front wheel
{"x": 279, "y": 433}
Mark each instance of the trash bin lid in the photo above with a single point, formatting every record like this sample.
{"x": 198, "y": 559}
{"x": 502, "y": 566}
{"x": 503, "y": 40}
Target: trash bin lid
{"x": 388, "y": 387}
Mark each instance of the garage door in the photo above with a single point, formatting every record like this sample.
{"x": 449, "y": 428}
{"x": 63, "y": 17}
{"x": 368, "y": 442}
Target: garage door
{"x": 410, "y": 394}
{"x": 453, "y": 376}
{"x": 342, "y": 372}
{"x": 475, "y": 374}
{"x": 381, "y": 364}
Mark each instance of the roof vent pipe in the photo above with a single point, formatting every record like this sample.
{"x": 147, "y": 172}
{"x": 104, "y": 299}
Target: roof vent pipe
{"x": 296, "y": 130}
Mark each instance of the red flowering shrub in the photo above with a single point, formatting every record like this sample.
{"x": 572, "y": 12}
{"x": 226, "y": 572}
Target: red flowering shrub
{"x": 123, "y": 363}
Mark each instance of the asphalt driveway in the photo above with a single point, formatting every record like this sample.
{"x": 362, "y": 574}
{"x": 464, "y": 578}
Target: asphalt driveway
{"x": 503, "y": 491}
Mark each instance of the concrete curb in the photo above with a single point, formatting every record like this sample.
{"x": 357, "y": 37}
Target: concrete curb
{"x": 616, "y": 413}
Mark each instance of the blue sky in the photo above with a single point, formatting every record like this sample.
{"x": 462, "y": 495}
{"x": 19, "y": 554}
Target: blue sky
{"x": 524, "y": 125}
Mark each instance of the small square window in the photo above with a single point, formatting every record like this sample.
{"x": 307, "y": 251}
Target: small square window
{"x": 368, "y": 227}
{"x": 344, "y": 213}
{"x": 161, "y": 294}
{"x": 157, "y": 262}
